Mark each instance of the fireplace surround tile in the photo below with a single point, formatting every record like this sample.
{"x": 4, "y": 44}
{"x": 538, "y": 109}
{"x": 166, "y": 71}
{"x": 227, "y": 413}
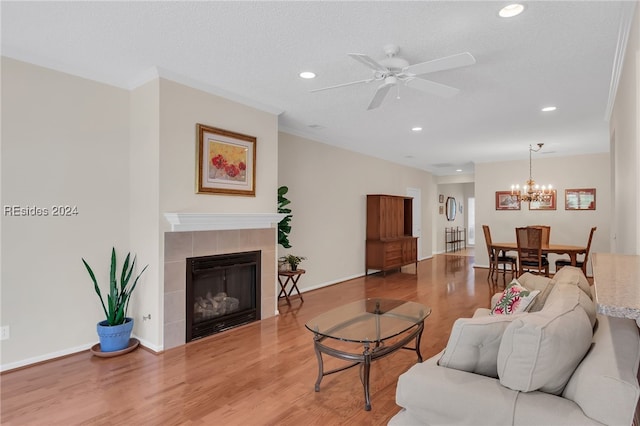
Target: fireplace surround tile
{"x": 174, "y": 306}
{"x": 174, "y": 275}
{"x": 180, "y": 245}
{"x": 174, "y": 334}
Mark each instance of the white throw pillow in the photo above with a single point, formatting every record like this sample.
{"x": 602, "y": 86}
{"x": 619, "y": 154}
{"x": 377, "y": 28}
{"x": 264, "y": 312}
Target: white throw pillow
{"x": 537, "y": 282}
{"x": 515, "y": 298}
{"x": 575, "y": 276}
{"x": 541, "y": 350}
{"x": 474, "y": 343}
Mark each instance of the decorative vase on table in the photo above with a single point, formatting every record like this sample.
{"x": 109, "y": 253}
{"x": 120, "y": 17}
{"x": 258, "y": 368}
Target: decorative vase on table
{"x": 114, "y": 337}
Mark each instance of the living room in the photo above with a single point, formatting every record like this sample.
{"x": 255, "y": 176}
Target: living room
{"x": 126, "y": 157}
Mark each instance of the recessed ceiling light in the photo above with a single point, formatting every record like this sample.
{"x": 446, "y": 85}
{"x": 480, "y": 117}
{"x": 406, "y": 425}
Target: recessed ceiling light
{"x": 548, "y": 109}
{"x": 511, "y": 10}
{"x": 416, "y": 129}
{"x": 458, "y": 170}
{"x": 307, "y": 74}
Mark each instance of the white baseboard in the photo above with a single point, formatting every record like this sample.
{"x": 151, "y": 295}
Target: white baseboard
{"x": 70, "y": 351}
{"x": 45, "y": 357}
{"x": 149, "y": 345}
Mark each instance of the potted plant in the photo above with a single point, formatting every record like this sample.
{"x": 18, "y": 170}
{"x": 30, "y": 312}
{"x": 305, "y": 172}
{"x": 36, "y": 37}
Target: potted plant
{"x": 115, "y": 331}
{"x": 284, "y": 226}
{"x": 293, "y": 261}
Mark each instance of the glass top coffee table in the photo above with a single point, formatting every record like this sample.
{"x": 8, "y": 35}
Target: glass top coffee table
{"x": 379, "y": 326}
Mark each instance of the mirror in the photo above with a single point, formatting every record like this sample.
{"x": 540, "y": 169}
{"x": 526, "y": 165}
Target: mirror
{"x": 451, "y": 208}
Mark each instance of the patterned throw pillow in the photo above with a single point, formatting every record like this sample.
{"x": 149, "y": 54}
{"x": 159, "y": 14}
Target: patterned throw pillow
{"x": 515, "y": 298}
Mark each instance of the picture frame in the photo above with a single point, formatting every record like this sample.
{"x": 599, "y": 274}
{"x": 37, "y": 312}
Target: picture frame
{"x": 580, "y": 199}
{"x": 441, "y": 210}
{"x": 441, "y": 198}
{"x": 505, "y": 200}
{"x": 226, "y": 162}
{"x": 549, "y": 204}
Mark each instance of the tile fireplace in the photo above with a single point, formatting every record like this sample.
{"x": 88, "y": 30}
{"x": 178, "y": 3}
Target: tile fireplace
{"x": 195, "y": 240}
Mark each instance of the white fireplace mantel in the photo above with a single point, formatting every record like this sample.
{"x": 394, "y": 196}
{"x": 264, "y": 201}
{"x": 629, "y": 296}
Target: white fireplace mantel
{"x": 221, "y": 221}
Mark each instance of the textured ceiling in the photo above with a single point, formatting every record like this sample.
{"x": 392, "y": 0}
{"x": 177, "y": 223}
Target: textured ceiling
{"x": 555, "y": 53}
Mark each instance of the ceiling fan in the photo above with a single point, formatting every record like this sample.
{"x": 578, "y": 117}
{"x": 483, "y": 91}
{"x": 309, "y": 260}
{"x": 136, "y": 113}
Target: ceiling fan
{"x": 393, "y": 70}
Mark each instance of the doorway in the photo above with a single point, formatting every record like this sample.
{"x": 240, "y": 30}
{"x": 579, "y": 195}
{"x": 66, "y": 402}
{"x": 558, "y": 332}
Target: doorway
{"x": 416, "y": 194}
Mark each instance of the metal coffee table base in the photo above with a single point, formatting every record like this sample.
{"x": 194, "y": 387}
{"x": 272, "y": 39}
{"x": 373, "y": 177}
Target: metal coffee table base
{"x": 372, "y": 351}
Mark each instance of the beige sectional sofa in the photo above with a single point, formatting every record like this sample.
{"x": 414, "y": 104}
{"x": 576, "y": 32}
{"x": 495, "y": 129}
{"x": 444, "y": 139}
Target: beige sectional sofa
{"x": 557, "y": 364}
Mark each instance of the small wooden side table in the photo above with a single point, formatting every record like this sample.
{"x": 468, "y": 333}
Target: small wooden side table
{"x": 291, "y": 277}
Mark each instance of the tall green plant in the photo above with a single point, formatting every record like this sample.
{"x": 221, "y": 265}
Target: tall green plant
{"x": 284, "y": 226}
{"x": 118, "y": 297}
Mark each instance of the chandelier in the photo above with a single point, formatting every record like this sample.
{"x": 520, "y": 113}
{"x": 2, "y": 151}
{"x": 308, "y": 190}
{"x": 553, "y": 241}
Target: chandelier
{"x": 531, "y": 190}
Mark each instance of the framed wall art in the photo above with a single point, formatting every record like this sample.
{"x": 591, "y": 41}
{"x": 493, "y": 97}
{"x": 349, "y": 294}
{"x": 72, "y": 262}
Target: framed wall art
{"x": 226, "y": 162}
{"x": 441, "y": 198}
{"x": 580, "y": 199}
{"x": 548, "y": 203}
{"x": 505, "y": 200}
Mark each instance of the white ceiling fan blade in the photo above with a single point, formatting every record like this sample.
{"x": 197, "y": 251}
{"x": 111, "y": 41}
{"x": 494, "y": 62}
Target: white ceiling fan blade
{"x": 369, "y": 80}
{"x": 446, "y": 63}
{"x": 379, "y": 96}
{"x": 364, "y": 59}
{"x": 432, "y": 87}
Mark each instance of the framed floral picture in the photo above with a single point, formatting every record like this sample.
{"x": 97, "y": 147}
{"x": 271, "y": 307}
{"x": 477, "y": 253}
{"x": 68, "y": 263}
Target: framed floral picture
{"x": 226, "y": 162}
{"x": 505, "y": 200}
{"x": 549, "y": 203}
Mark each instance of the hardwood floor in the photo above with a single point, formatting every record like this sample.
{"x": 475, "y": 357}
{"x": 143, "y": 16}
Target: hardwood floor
{"x": 259, "y": 374}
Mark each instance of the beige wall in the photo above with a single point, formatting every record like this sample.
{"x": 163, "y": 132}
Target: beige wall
{"x": 65, "y": 140}
{"x": 567, "y": 226}
{"x": 625, "y": 149}
{"x": 144, "y": 187}
{"x": 124, "y": 159}
{"x": 327, "y": 189}
{"x": 176, "y": 109}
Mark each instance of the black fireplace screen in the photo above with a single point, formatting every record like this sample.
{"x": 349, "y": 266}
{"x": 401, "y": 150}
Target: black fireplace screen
{"x": 223, "y": 291}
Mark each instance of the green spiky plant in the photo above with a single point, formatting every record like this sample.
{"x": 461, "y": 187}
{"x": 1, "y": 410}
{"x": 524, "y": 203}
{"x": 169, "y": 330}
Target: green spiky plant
{"x": 284, "y": 226}
{"x": 118, "y": 297}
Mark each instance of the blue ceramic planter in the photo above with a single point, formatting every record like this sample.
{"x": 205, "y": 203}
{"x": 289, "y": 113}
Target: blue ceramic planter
{"x": 115, "y": 337}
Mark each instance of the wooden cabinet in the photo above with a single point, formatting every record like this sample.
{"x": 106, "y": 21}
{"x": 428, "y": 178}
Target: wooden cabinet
{"x": 389, "y": 242}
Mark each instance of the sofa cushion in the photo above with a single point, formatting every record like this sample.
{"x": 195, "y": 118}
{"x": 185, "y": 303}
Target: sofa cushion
{"x": 540, "y": 283}
{"x": 606, "y": 377}
{"x": 515, "y": 298}
{"x": 563, "y": 292}
{"x": 540, "y": 350}
{"x": 445, "y": 396}
{"x": 474, "y": 342}
{"x": 575, "y": 276}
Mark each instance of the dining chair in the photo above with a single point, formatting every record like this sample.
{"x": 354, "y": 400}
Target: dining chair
{"x": 546, "y": 233}
{"x": 579, "y": 263}
{"x": 496, "y": 259}
{"x": 529, "y": 241}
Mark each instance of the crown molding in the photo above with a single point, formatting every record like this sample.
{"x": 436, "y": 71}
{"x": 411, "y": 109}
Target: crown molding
{"x": 627, "y": 10}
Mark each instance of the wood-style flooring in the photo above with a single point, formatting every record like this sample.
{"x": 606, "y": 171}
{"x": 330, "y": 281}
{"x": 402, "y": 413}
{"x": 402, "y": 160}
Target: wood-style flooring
{"x": 260, "y": 374}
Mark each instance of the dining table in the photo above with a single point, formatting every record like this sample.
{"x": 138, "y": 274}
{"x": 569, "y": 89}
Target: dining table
{"x": 572, "y": 251}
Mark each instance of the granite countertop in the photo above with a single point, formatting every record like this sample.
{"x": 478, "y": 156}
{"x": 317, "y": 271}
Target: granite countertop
{"x": 616, "y": 278}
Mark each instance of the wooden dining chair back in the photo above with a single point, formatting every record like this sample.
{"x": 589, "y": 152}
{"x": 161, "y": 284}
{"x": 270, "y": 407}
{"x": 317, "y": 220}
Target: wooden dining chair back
{"x": 529, "y": 241}
{"x": 496, "y": 259}
{"x": 546, "y": 233}
{"x": 579, "y": 263}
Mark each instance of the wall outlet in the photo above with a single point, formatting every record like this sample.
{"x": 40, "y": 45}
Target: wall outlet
{"x": 4, "y": 333}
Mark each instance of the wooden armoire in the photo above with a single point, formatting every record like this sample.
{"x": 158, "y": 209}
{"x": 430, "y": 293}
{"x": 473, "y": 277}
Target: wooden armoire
{"x": 390, "y": 244}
